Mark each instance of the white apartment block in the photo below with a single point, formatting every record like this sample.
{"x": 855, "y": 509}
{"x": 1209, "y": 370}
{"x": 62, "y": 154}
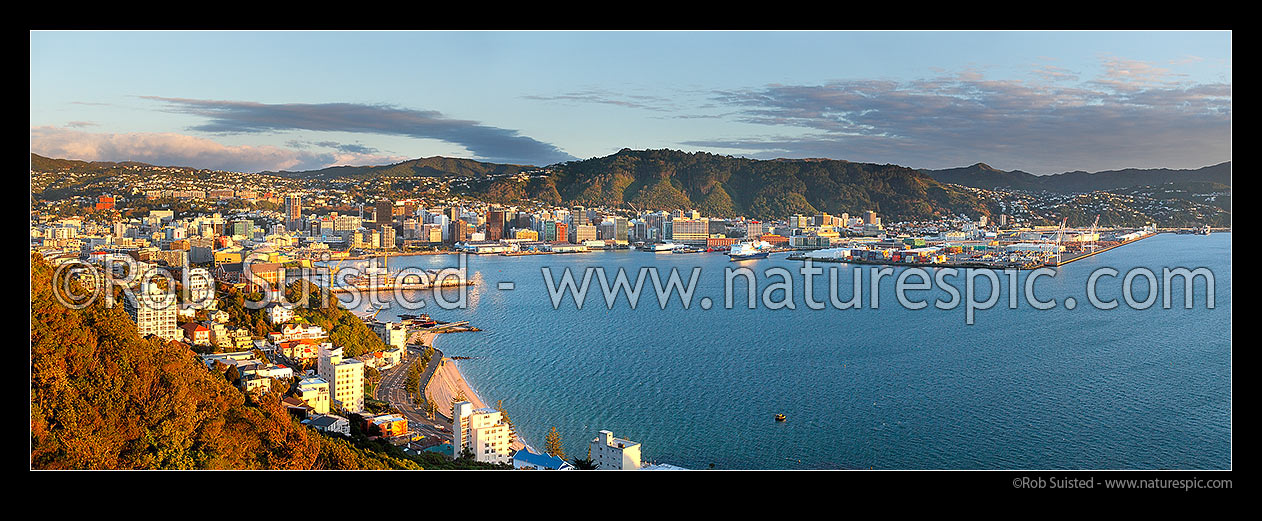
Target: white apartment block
{"x": 483, "y": 431}
{"x": 154, "y": 315}
{"x": 612, "y": 453}
{"x": 344, "y": 376}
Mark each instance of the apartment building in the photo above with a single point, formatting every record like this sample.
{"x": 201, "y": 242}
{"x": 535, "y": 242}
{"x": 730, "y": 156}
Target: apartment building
{"x": 612, "y": 453}
{"x": 483, "y": 431}
{"x": 345, "y": 378}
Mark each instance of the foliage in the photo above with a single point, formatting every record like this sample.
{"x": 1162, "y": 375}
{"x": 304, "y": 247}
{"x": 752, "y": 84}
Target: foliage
{"x": 724, "y": 185}
{"x": 102, "y": 397}
{"x": 552, "y": 444}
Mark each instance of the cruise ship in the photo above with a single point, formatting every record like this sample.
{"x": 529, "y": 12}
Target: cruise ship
{"x": 750, "y": 250}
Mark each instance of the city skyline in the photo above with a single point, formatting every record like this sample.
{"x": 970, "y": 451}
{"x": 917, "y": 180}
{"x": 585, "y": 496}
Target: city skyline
{"x": 1041, "y": 102}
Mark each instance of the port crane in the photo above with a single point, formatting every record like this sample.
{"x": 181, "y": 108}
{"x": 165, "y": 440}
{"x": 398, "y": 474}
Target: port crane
{"x": 1060, "y": 233}
{"x": 1094, "y": 237}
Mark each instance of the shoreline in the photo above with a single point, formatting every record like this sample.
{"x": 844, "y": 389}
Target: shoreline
{"x": 447, "y": 377}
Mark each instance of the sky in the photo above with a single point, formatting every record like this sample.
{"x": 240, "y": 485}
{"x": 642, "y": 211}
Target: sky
{"x": 1041, "y": 102}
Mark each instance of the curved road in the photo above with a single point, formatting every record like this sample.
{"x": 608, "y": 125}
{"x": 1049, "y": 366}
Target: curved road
{"x": 392, "y": 390}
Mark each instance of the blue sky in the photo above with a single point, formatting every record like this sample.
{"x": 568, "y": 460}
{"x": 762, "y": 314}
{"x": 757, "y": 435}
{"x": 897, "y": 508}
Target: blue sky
{"x": 1042, "y": 102}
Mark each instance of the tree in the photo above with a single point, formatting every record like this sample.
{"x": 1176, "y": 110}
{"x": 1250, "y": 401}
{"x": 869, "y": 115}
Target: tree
{"x": 499, "y": 406}
{"x": 552, "y": 444}
{"x": 584, "y": 464}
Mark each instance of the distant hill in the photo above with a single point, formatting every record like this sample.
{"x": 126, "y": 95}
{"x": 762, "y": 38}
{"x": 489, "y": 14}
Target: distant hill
{"x": 727, "y": 186}
{"x": 982, "y": 175}
{"x": 436, "y": 166}
{"x": 45, "y": 164}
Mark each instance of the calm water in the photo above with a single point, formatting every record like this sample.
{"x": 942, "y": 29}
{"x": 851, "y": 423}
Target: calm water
{"x": 862, "y": 388}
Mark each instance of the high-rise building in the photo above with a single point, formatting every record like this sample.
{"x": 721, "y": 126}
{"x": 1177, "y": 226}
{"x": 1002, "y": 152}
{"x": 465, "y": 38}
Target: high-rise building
{"x": 584, "y": 232}
{"x": 579, "y": 216}
{"x": 611, "y": 453}
{"x": 243, "y": 227}
{"x": 154, "y": 312}
{"x": 495, "y": 225}
{"x": 388, "y": 238}
{"x": 293, "y": 211}
{"x": 385, "y": 211}
{"x": 345, "y": 377}
{"x": 690, "y": 231}
{"x": 621, "y": 229}
{"x": 459, "y": 231}
{"x": 481, "y": 431}
{"x": 871, "y": 218}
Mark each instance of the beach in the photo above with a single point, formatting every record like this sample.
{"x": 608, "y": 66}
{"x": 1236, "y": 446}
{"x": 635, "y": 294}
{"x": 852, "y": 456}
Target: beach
{"x": 447, "y": 383}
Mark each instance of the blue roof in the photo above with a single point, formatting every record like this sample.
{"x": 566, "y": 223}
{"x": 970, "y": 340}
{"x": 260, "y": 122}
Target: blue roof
{"x": 540, "y": 460}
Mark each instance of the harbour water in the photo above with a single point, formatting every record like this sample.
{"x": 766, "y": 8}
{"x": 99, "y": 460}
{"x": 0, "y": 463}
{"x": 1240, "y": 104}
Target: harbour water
{"x": 886, "y": 388}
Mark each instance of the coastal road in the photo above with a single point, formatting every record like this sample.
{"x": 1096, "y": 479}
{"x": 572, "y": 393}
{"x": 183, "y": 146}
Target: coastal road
{"x": 392, "y": 389}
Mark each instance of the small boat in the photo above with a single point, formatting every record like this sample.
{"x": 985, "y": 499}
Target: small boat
{"x": 780, "y": 417}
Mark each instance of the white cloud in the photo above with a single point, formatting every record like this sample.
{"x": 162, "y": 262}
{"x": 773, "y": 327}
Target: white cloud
{"x": 171, "y": 149}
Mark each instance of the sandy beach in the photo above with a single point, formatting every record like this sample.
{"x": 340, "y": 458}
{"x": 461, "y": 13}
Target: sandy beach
{"x": 447, "y": 383}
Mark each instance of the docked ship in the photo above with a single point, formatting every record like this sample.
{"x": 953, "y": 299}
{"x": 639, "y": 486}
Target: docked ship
{"x": 661, "y": 247}
{"x": 750, "y": 250}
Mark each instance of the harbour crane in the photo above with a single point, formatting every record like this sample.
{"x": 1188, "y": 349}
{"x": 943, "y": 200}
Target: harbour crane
{"x": 1060, "y": 234}
{"x": 1094, "y": 234}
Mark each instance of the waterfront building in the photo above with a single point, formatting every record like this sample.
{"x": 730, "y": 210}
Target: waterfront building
{"x": 494, "y": 225}
{"x": 526, "y": 460}
{"x": 459, "y": 231}
{"x": 612, "y": 453}
{"x": 754, "y": 229}
{"x": 526, "y": 234}
{"x": 690, "y": 231}
{"x": 345, "y": 378}
{"x": 482, "y": 431}
{"x": 583, "y": 232}
{"x": 548, "y": 230}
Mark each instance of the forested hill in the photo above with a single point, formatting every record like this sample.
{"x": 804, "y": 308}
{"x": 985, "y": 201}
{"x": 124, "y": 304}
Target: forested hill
{"x": 723, "y": 186}
{"x": 102, "y": 397}
{"x": 984, "y": 176}
{"x": 44, "y": 164}
{"x": 436, "y": 166}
